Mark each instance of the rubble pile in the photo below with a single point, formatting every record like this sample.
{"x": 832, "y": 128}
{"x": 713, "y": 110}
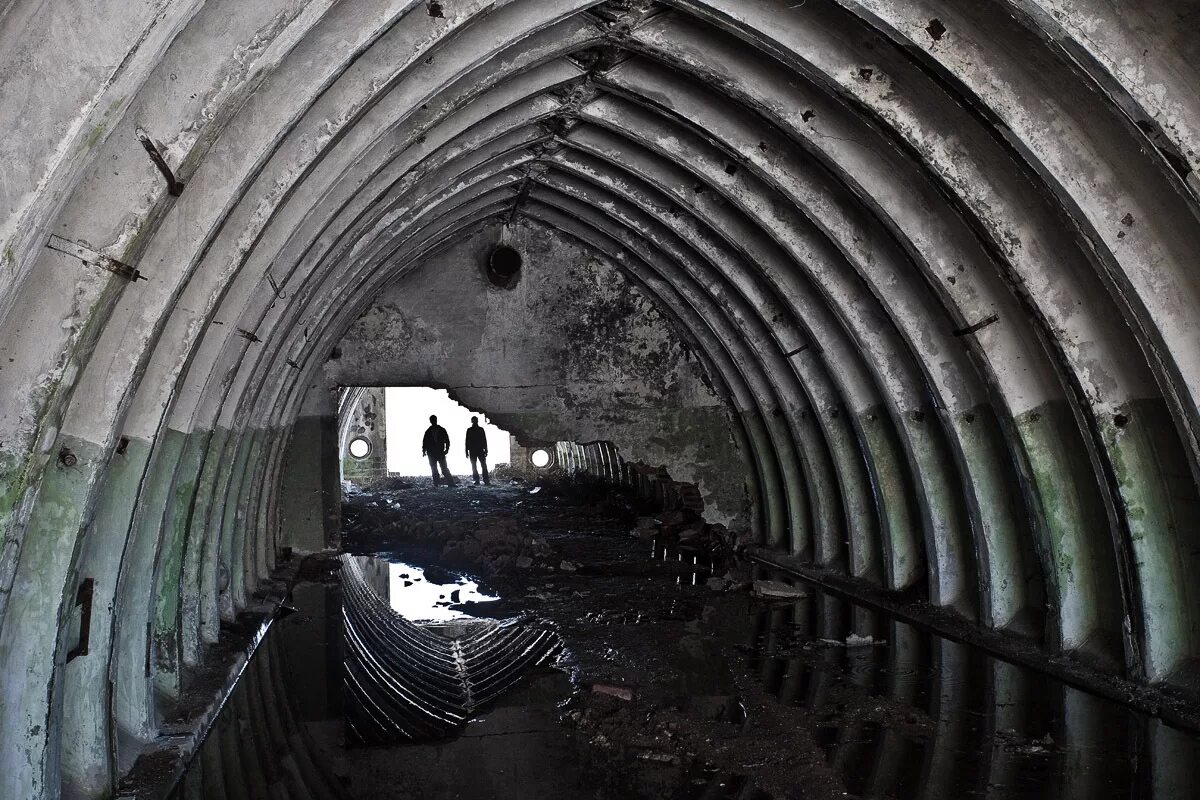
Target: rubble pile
{"x": 679, "y": 652}
{"x": 497, "y": 531}
{"x": 684, "y": 528}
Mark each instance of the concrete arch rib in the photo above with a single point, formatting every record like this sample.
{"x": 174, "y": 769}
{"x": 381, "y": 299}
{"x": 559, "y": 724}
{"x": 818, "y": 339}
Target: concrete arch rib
{"x": 727, "y": 372}
{"x": 762, "y": 386}
{"x": 1060, "y": 142}
{"x": 947, "y": 291}
{"x": 230, "y": 550}
{"x": 1046, "y": 153}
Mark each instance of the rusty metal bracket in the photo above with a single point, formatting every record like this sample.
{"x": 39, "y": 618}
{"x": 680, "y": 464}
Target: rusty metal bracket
{"x": 93, "y": 259}
{"x": 174, "y": 185}
{"x": 978, "y": 326}
{"x": 83, "y": 600}
{"x": 274, "y": 285}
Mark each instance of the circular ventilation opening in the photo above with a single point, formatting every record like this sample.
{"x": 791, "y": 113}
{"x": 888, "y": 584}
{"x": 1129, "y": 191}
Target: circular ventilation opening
{"x": 360, "y": 448}
{"x": 504, "y": 265}
{"x": 540, "y": 458}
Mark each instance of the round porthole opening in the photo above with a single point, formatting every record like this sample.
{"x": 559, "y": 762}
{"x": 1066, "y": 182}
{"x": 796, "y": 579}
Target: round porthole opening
{"x": 540, "y": 458}
{"x": 504, "y": 264}
{"x": 359, "y": 448}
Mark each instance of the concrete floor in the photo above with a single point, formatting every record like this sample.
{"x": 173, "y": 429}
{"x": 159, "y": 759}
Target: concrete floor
{"x": 729, "y": 695}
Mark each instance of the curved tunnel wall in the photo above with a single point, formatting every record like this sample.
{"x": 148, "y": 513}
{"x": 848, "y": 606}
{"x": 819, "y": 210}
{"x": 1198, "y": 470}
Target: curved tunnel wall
{"x": 938, "y": 257}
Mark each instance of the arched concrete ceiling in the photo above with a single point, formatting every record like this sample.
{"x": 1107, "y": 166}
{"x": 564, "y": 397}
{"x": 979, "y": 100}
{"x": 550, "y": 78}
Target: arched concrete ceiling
{"x": 939, "y": 256}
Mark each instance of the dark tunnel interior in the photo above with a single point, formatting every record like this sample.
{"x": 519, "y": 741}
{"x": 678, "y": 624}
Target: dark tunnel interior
{"x": 848, "y": 351}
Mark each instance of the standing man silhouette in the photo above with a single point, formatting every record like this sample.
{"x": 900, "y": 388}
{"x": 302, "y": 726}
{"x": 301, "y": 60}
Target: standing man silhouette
{"x": 435, "y": 446}
{"x": 477, "y": 450}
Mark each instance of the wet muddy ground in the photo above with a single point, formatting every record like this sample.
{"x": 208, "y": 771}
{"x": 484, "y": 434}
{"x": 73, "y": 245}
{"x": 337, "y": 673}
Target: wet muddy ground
{"x": 676, "y": 677}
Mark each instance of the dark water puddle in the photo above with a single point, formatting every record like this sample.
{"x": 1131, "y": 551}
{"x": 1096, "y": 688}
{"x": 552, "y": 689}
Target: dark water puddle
{"x": 416, "y": 668}
{"x": 699, "y": 561}
{"x": 422, "y": 594}
{"x": 901, "y": 712}
{"x": 347, "y": 699}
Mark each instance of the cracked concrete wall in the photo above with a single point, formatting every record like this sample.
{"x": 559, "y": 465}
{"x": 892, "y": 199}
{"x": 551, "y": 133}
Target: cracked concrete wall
{"x": 938, "y": 257}
{"x": 310, "y": 484}
{"x": 361, "y": 416}
{"x": 574, "y": 351}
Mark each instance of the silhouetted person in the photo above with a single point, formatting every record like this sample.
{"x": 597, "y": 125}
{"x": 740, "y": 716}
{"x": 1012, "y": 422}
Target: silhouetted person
{"x": 477, "y": 450}
{"x": 435, "y": 446}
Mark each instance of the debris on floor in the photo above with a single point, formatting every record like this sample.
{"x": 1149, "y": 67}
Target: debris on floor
{"x": 619, "y": 692}
{"x": 679, "y": 671}
{"x": 777, "y": 590}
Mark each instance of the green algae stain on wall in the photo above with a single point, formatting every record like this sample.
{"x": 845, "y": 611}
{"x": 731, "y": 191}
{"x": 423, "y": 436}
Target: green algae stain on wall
{"x": 12, "y": 484}
{"x": 900, "y": 531}
{"x": 170, "y": 561}
{"x": 1146, "y": 459}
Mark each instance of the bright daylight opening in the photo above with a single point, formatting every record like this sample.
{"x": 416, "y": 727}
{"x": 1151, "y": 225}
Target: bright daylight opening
{"x": 540, "y": 458}
{"x": 360, "y": 448}
{"x": 408, "y": 410}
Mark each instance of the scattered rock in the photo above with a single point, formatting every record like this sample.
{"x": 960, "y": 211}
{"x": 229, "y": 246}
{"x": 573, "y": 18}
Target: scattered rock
{"x": 646, "y": 528}
{"x": 390, "y": 484}
{"x": 854, "y": 640}
{"x": 718, "y": 708}
{"x": 777, "y": 590}
{"x": 619, "y": 692}
{"x": 524, "y": 562}
{"x": 662, "y": 758}
{"x": 717, "y": 584}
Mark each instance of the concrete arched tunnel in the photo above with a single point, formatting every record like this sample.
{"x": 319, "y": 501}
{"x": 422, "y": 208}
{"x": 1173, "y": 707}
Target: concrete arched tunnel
{"x": 933, "y": 263}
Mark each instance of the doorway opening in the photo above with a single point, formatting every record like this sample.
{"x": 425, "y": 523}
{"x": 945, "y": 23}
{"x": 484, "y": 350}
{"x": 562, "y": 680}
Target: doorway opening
{"x": 407, "y": 411}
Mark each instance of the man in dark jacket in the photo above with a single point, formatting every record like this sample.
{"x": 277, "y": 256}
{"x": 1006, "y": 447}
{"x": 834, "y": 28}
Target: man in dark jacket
{"x": 477, "y": 450}
{"x": 435, "y": 446}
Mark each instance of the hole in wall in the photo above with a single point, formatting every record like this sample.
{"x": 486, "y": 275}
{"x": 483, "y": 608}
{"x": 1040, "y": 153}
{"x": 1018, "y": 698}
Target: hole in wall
{"x": 504, "y": 266}
{"x": 406, "y": 418}
{"x": 1121, "y": 420}
{"x": 540, "y": 458}
{"x": 359, "y": 447}
{"x": 435, "y": 10}
{"x": 935, "y": 29}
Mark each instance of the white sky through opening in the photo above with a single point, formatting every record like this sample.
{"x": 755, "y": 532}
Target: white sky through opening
{"x": 407, "y": 416}
{"x": 415, "y": 598}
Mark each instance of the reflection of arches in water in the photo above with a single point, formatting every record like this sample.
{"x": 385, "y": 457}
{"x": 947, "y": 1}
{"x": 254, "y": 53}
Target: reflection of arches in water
{"x": 273, "y": 737}
{"x": 986, "y": 718}
{"x": 980, "y": 727}
{"x": 406, "y": 682}
{"x": 260, "y": 745}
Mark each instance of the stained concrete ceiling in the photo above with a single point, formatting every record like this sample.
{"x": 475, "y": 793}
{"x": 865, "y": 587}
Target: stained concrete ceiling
{"x": 938, "y": 256}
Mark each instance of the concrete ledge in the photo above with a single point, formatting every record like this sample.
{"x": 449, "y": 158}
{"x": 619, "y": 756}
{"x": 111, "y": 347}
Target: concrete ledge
{"x": 159, "y": 768}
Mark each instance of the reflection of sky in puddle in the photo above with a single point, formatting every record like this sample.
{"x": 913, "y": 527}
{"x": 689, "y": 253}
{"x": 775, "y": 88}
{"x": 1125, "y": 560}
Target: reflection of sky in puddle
{"x": 420, "y": 600}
